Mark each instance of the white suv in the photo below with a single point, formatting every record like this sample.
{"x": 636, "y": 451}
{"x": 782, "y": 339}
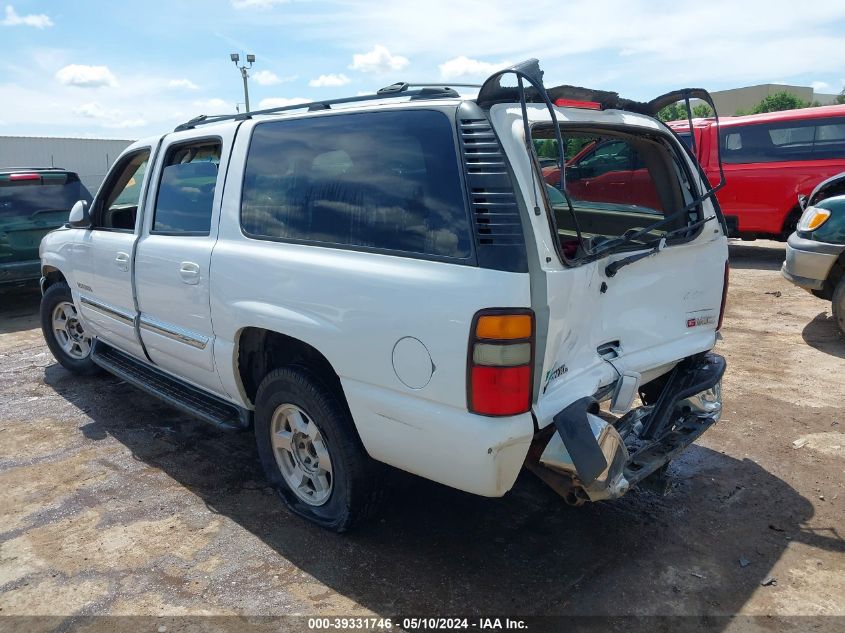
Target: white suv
{"x": 390, "y": 279}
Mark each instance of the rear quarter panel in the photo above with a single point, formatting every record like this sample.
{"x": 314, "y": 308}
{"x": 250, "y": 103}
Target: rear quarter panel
{"x": 354, "y": 307}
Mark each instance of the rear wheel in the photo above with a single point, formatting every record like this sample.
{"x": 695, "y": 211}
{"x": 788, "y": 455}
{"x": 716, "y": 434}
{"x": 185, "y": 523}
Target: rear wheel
{"x": 64, "y": 331}
{"x": 839, "y": 304}
{"x": 311, "y": 453}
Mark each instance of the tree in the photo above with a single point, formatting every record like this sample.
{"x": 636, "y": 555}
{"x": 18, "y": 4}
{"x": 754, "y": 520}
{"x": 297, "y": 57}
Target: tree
{"x": 841, "y": 97}
{"x": 778, "y": 101}
{"x": 702, "y": 111}
{"x": 678, "y": 112}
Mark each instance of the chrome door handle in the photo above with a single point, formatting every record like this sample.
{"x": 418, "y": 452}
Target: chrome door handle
{"x": 122, "y": 261}
{"x": 189, "y": 272}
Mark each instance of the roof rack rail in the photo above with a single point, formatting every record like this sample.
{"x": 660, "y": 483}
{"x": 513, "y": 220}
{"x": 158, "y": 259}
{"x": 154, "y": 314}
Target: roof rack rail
{"x": 397, "y": 90}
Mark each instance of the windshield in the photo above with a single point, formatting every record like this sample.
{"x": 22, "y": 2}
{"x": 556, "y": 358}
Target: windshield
{"x": 24, "y": 196}
{"x": 618, "y": 184}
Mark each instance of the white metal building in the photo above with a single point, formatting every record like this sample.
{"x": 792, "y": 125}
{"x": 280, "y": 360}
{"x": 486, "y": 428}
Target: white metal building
{"x": 88, "y": 157}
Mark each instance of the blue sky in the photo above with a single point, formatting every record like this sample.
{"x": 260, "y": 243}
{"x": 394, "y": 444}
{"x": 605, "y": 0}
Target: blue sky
{"x": 127, "y": 70}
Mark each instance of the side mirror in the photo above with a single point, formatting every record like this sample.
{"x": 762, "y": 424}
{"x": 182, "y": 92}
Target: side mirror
{"x": 79, "y": 217}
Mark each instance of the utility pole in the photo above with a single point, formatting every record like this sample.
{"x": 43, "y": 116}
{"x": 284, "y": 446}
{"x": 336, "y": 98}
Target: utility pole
{"x": 235, "y": 57}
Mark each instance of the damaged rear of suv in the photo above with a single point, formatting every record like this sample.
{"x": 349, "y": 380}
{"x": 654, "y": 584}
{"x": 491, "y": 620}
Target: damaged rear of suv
{"x": 628, "y": 285}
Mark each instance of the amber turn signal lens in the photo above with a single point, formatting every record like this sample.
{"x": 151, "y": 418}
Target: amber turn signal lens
{"x": 818, "y": 219}
{"x": 504, "y": 327}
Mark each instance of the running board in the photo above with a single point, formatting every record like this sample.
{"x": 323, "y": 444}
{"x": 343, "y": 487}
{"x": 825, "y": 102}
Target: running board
{"x": 173, "y": 391}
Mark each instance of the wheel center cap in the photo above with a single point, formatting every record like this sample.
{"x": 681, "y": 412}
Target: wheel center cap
{"x": 304, "y": 453}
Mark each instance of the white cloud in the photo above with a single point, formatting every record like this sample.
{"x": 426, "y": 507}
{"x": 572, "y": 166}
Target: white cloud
{"x": 378, "y": 60}
{"x": 281, "y": 102}
{"x": 256, "y": 4}
{"x": 187, "y": 84}
{"x": 92, "y": 110}
{"x": 465, "y": 67}
{"x": 109, "y": 118}
{"x": 36, "y": 20}
{"x": 819, "y": 86}
{"x": 269, "y": 78}
{"x": 331, "y": 80}
{"x": 86, "y": 76}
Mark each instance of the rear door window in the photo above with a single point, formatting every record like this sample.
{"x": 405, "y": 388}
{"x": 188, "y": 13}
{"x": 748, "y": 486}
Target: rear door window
{"x": 31, "y": 194}
{"x": 386, "y": 181}
{"x": 185, "y": 195}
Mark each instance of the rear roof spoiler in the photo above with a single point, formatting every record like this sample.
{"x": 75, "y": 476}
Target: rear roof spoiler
{"x": 492, "y": 92}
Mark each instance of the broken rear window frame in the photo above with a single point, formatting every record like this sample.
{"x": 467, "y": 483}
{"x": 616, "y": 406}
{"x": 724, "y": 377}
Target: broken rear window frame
{"x": 674, "y": 144}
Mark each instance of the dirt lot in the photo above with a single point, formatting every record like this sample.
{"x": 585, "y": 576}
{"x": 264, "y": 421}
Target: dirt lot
{"x": 115, "y": 504}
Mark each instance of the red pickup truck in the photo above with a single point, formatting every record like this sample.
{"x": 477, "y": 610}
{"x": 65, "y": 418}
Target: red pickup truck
{"x": 769, "y": 161}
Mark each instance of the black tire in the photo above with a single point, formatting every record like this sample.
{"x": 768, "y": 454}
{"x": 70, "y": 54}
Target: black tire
{"x": 838, "y": 303}
{"x": 356, "y": 488}
{"x": 55, "y": 295}
{"x": 790, "y": 225}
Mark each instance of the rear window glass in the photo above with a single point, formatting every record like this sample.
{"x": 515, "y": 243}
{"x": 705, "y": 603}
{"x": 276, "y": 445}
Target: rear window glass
{"x": 618, "y": 184}
{"x": 41, "y": 193}
{"x": 381, "y": 180}
{"x": 815, "y": 139}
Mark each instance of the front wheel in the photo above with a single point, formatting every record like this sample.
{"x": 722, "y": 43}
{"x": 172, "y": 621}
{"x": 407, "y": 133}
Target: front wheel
{"x": 310, "y": 451}
{"x": 838, "y": 302}
{"x": 64, "y": 332}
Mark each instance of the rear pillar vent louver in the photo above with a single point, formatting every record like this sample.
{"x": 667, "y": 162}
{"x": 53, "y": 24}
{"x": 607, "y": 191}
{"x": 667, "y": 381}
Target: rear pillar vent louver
{"x": 500, "y": 242}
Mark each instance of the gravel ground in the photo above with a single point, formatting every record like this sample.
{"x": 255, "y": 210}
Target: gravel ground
{"x": 115, "y": 504}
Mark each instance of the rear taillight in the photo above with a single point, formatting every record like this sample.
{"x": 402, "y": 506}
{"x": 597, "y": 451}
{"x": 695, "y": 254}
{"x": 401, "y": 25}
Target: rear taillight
{"x": 19, "y": 177}
{"x": 500, "y": 364}
{"x": 724, "y": 295}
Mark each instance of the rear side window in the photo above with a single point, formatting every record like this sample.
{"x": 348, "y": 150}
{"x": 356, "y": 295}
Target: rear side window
{"x": 380, "y": 180}
{"x": 815, "y": 139}
{"x": 24, "y": 194}
{"x": 186, "y": 190}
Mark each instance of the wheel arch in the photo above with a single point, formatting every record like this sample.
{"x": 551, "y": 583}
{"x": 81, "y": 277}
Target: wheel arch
{"x": 51, "y": 275}
{"x": 259, "y": 351}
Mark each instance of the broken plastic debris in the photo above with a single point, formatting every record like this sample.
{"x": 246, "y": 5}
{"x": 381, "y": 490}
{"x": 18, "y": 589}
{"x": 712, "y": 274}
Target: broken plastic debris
{"x": 697, "y": 575}
{"x": 801, "y": 441}
{"x": 743, "y": 562}
{"x": 769, "y": 581}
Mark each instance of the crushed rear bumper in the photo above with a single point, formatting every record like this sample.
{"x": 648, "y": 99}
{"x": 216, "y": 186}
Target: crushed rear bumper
{"x": 589, "y": 455}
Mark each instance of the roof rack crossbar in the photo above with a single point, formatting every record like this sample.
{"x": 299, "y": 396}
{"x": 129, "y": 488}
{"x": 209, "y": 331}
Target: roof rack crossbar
{"x": 395, "y": 91}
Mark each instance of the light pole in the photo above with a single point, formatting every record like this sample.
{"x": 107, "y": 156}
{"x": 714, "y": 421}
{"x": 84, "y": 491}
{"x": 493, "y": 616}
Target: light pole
{"x": 250, "y": 60}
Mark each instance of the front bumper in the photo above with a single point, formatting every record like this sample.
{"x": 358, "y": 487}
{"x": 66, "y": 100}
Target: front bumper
{"x": 591, "y": 457}
{"x": 808, "y": 262}
{"x": 19, "y": 272}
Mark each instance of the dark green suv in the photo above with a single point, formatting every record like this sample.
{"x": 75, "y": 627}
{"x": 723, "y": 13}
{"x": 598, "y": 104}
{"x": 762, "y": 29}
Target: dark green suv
{"x": 33, "y": 202}
{"x": 815, "y": 253}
